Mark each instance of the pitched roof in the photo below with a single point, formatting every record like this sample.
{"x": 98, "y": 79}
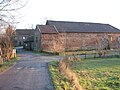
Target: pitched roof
{"x": 47, "y": 29}
{"x": 24, "y": 31}
{"x": 66, "y": 26}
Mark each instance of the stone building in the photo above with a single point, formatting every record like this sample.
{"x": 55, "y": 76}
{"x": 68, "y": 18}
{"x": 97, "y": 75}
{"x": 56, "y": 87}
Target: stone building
{"x": 58, "y": 36}
{"x": 22, "y": 35}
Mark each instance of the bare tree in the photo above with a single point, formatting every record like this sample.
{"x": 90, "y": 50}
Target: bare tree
{"x": 8, "y": 10}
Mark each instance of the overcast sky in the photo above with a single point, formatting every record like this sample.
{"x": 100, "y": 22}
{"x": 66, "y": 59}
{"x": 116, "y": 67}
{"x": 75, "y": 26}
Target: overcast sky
{"x": 98, "y": 11}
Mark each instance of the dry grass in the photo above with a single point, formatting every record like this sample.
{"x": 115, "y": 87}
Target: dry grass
{"x": 59, "y": 80}
{"x": 64, "y": 68}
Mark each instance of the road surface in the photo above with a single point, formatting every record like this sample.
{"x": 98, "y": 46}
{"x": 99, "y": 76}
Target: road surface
{"x": 29, "y": 73}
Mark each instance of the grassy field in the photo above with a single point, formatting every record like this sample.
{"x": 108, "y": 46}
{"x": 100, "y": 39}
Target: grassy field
{"x": 93, "y": 74}
{"x": 98, "y": 74}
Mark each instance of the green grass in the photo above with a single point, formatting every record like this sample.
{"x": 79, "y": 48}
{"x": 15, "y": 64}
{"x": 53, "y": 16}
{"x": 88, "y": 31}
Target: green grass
{"x": 6, "y": 65}
{"x": 60, "y": 81}
{"x": 98, "y": 74}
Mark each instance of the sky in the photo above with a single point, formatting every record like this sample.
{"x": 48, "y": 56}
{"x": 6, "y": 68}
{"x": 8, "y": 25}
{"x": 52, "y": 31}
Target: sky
{"x": 97, "y": 11}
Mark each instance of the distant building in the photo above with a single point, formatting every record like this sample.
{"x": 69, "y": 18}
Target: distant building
{"x": 58, "y": 36}
{"x": 22, "y": 35}
{"x": 29, "y": 43}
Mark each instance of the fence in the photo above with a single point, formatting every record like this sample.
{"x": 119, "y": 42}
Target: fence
{"x": 93, "y": 53}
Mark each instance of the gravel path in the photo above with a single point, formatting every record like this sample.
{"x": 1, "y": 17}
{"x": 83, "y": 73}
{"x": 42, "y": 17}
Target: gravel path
{"x": 29, "y": 73}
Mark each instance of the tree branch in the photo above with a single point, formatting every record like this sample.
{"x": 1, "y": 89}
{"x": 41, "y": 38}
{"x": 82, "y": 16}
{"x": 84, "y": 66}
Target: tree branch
{"x": 13, "y": 9}
{"x": 2, "y": 2}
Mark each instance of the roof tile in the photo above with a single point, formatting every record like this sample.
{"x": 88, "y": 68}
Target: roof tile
{"x": 47, "y": 29}
{"x": 66, "y": 26}
{"x": 24, "y": 31}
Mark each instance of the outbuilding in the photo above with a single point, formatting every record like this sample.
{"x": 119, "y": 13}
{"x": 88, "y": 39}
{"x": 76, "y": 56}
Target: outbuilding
{"x": 59, "y": 36}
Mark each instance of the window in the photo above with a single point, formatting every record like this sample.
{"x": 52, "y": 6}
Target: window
{"x": 36, "y": 39}
{"x": 23, "y": 37}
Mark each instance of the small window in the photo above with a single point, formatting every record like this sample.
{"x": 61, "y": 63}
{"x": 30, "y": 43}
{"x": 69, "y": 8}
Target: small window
{"x": 36, "y": 39}
{"x": 23, "y": 37}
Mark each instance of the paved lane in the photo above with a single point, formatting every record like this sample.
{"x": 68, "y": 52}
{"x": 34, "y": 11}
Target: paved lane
{"x": 29, "y": 73}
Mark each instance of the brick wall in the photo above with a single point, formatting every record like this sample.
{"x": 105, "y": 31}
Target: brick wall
{"x": 50, "y": 42}
{"x": 113, "y": 38}
{"x": 79, "y": 41}
{"x": 75, "y": 41}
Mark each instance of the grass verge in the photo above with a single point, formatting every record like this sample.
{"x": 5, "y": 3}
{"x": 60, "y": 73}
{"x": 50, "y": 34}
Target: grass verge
{"x": 98, "y": 74}
{"x": 60, "y": 81}
{"x": 6, "y": 65}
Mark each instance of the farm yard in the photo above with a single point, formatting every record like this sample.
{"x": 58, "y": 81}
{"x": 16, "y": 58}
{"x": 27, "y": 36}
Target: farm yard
{"x": 59, "y": 45}
{"x": 92, "y": 74}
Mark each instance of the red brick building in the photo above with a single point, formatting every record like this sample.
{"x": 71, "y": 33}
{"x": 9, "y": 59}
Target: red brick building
{"x": 58, "y": 36}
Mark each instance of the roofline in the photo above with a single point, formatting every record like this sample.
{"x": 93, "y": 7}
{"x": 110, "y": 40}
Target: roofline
{"x": 24, "y": 29}
{"x": 91, "y": 32}
{"x": 55, "y": 28}
{"x": 49, "y": 33}
{"x": 38, "y": 28}
{"x": 114, "y": 27}
{"x": 75, "y": 22}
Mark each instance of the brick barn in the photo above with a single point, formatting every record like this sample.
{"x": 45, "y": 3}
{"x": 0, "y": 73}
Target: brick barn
{"x": 58, "y": 36}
